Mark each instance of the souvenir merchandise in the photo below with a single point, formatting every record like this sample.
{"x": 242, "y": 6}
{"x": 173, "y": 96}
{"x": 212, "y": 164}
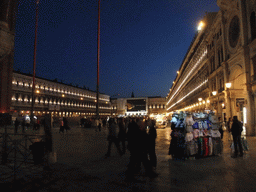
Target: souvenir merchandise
{"x": 189, "y": 123}
{"x": 191, "y": 148}
{"x": 210, "y": 146}
{"x": 217, "y": 145}
{"x": 196, "y": 137}
{"x": 174, "y": 121}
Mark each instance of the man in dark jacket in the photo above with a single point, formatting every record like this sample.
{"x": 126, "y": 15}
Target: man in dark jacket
{"x": 236, "y": 131}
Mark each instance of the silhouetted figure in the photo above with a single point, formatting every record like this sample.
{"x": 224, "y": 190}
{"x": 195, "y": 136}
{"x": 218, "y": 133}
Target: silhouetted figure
{"x": 112, "y": 137}
{"x": 16, "y": 124}
{"x": 23, "y": 125}
{"x": 152, "y": 144}
{"x": 236, "y": 130}
{"x": 122, "y": 134}
{"x": 133, "y": 143}
{"x": 138, "y": 146}
{"x": 104, "y": 122}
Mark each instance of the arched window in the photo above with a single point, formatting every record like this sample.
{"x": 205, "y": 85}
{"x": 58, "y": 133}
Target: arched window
{"x": 253, "y": 25}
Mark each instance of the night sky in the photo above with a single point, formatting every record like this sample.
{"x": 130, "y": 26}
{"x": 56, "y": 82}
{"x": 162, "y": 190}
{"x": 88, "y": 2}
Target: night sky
{"x": 143, "y": 42}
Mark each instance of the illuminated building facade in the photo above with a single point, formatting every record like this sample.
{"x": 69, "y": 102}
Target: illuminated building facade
{"x": 140, "y": 106}
{"x": 59, "y": 99}
{"x": 218, "y": 71}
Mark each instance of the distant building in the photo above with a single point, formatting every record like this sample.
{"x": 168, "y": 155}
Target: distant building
{"x": 140, "y": 106}
{"x": 59, "y": 99}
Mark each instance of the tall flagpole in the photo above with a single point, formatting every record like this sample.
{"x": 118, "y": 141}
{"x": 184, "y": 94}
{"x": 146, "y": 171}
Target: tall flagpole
{"x": 98, "y": 63}
{"x": 34, "y": 67}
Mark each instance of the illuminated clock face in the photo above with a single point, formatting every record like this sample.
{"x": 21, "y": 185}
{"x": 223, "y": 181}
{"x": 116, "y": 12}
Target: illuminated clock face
{"x": 234, "y": 31}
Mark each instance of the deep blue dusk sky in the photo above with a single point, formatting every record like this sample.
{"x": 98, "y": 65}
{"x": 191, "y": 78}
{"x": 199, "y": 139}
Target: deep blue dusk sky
{"x": 143, "y": 42}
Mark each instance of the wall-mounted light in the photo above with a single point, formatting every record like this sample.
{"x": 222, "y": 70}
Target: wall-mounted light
{"x": 63, "y": 95}
{"x": 37, "y": 91}
{"x": 208, "y": 101}
{"x": 228, "y": 85}
{"x": 223, "y": 105}
{"x": 178, "y": 72}
{"x": 214, "y": 93}
{"x": 200, "y": 99}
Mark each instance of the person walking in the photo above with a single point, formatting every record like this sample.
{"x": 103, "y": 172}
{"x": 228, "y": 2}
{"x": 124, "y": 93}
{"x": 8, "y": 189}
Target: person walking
{"x": 152, "y": 135}
{"x": 16, "y": 124}
{"x": 23, "y": 125}
{"x": 122, "y": 134}
{"x": 236, "y": 131}
{"x": 112, "y": 138}
{"x": 133, "y": 143}
{"x": 99, "y": 124}
{"x": 65, "y": 124}
{"x": 61, "y": 126}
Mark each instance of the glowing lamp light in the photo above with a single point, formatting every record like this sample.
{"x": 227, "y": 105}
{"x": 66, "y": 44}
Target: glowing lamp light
{"x": 178, "y": 72}
{"x": 203, "y": 102}
{"x": 223, "y": 105}
{"x": 63, "y": 95}
{"x": 200, "y": 99}
{"x": 200, "y": 26}
{"x": 208, "y": 101}
{"x": 214, "y": 93}
{"x": 37, "y": 91}
{"x": 228, "y": 85}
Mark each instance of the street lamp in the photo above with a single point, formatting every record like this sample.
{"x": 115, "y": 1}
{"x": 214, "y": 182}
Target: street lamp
{"x": 228, "y": 85}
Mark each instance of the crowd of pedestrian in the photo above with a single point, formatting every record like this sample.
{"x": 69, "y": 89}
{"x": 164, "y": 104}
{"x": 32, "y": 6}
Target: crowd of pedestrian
{"x": 24, "y": 122}
{"x": 138, "y": 136}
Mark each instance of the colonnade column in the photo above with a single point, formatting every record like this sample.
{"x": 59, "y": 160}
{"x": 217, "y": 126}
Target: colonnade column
{"x": 249, "y": 104}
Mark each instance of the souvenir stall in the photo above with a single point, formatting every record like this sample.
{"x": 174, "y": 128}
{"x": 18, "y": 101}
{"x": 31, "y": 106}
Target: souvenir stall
{"x": 195, "y": 135}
